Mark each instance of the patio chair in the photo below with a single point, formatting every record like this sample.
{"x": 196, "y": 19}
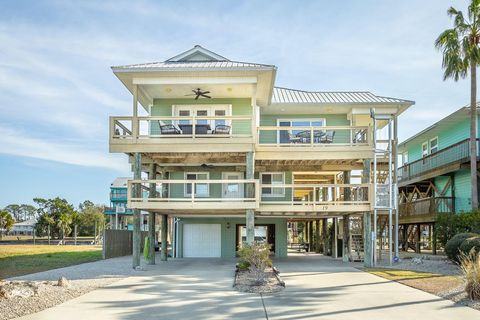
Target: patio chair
{"x": 294, "y": 139}
{"x": 169, "y": 129}
{"x": 221, "y": 129}
{"x": 328, "y": 137}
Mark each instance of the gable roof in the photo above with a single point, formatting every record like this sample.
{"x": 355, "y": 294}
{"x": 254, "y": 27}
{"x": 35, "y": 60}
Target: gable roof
{"x": 445, "y": 122}
{"x": 286, "y": 95}
{"x": 120, "y": 182}
{"x": 197, "y": 58}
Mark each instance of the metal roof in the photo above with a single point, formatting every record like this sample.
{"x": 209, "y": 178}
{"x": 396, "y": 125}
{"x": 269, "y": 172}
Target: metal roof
{"x": 285, "y": 95}
{"x": 187, "y": 60}
{"x": 171, "y": 65}
{"x": 120, "y": 182}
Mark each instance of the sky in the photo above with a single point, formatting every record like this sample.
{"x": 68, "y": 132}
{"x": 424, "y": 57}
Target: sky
{"x": 57, "y": 89}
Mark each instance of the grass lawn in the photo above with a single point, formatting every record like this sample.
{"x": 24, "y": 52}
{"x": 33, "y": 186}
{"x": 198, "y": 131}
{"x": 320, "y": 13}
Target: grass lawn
{"x": 429, "y": 282}
{"x": 16, "y": 260}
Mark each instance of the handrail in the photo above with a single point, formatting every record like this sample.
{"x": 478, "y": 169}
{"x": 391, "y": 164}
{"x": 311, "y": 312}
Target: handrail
{"x": 457, "y": 152}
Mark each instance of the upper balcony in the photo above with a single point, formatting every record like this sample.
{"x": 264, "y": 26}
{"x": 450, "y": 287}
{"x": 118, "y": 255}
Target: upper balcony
{"x": 443, "y": 161}
{"x": 181, "y": 134}
{"x": 425, "y": 210}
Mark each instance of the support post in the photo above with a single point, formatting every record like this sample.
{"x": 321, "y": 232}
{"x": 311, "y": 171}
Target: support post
{"x": 164, "y": 235}
{"x": 334, "y": 238}
{"x": 137, "y": 193}
{"x": 434, "y": 240}
{"x": 317, "y": 236}
{"x": 152, "y": 175}
{"x": 395, "y": 183}
{"x": 324, "y": 236}
{"x": 250, "y": 214}
{"x": 75, "y": 234}
{"x": 368, "y": 245}
{"x": 417, "y": 244}
{"x": 310, "y": 239}
{"x": 346, "y": 238}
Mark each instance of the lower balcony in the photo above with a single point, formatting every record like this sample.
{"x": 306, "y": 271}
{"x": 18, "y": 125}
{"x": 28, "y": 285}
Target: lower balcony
{"x": 235, "y": 196}
{"x": 424, "y": 210}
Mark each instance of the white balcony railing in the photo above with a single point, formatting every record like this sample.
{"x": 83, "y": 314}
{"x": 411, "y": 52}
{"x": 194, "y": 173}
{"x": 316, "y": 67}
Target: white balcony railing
{"x": 193, "y": 194}
{"x": 156, "y": 127}
{"x": 280, "y": 136}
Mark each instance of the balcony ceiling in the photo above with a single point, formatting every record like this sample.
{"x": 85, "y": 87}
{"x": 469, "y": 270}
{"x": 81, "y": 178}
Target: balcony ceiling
{"x": 217, "y": 91}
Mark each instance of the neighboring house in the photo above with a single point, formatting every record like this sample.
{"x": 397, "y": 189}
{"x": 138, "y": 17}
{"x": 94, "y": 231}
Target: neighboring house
{"x": 24, "y": 228}
{"x": 231, "y": 158}
{"x": 119, "y": 216}
{"x": 434, "y": 178}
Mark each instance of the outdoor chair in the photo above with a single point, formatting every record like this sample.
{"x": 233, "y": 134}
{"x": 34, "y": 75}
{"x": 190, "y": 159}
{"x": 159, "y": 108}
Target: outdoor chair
{"x": 294, "y": 139}
{"x": 221, "y": 129}
{"x": 328, "y": 137}
{"x": 169, "y": 129}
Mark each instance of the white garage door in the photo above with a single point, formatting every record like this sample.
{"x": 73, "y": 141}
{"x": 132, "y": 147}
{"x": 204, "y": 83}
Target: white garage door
{"x": 201, "y": 240}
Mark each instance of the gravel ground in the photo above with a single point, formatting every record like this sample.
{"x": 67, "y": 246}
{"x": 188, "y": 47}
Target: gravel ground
{"x": 459, "y": 296}
{"x": 82, "y": 279}
{"x": 244, "y": 280}
{"x": 438, "y": 265}
{"x": 48, "y": 295}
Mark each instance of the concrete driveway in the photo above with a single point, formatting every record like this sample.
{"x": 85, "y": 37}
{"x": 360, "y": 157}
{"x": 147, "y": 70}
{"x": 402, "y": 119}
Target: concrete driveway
{"x": 317, "y": 288}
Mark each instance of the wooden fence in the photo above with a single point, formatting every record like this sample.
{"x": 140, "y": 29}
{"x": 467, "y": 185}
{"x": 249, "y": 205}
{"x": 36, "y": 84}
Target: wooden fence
{"x": 117, "y": 243}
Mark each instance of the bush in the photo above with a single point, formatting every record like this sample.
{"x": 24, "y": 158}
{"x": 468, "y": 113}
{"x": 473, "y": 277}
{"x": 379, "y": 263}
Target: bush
{"x": 243, "y": 265}
{"x": 453, "y": 245}
{"x": 257, "y": 256}
{"x": 470, "y": 244}
{"x": 448, "y": 225}
{"x": 470, "y": 265}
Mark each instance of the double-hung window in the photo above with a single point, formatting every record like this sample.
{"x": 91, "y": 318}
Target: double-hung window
{"x": 425, "y": 149}
{"x": 433, "y": 145}
{"x": 273, "y": 178}
{"x": 201, "y": 189}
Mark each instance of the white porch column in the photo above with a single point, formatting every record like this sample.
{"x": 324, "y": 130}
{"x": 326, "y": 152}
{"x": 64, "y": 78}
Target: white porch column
{"x": 137, "y": 193}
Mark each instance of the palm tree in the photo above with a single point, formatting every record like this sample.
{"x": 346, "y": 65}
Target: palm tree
{"x": 63, "y": 223}
{"x": 461, "y": 55}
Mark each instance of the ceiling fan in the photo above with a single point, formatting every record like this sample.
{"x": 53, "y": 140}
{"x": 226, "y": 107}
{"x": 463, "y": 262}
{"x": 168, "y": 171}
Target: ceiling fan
{"x": 199, "y": 93}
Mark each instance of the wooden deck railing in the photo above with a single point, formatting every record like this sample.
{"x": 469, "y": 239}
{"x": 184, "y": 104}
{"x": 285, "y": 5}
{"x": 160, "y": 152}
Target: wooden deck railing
{"x": 427, "y": 206}
{"x": 455, "y": 153}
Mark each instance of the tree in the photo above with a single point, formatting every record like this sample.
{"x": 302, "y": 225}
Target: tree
{"x": 461, "y": 55}
{"x": 90, "y": 216}
{"x": 6, "y": 222}
{"x": 15, "y": 210}
{"x": 55, "y": 213}
{"x": 28, "y": 211}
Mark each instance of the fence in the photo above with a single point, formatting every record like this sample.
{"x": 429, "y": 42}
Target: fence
{"x": 118, "y": 243}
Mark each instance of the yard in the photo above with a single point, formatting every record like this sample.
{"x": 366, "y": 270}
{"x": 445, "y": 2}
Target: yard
{"x": 16, "y": 260}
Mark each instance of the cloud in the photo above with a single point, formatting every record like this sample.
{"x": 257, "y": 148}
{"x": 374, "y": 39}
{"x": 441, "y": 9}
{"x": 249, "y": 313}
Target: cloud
{"x": 15, "y": 142}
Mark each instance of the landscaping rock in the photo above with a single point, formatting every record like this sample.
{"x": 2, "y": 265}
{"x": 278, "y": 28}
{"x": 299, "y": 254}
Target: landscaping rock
{"x": 63, "y": 282}
{"x": 417, "y": 260}
{"x": 12, "y": 289}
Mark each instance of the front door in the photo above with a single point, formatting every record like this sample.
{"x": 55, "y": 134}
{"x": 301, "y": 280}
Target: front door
{"x": 232, "y": 190}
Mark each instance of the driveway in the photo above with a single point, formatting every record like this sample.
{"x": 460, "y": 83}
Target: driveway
{"x": 317, "y": 288}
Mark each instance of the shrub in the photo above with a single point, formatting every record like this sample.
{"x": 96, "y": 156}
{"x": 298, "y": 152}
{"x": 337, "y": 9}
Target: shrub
{"x": 470, "y": 265}
{"x": 453, "y": 245}
{"x": 243, "y": 265}
{"x": 470, "y": 244}
{"x": 449, "y": 224}
{"x": 257, "y": 256}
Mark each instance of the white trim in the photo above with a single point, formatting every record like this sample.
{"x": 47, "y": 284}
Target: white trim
{"x": 272, "y": 195}
{"x": 430, "y": 144}
{"x": 240, "y": 176}
{"x": 186, "y": 194}
{"x": 192, "y": 80}
{"x": 194, "y": 50}
{"x": 428, "y": 151}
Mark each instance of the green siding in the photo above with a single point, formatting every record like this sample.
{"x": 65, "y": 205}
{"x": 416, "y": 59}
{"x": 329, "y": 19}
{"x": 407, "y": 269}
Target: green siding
{"x": 228, "y": 234}
{"x": 177, "y": 190}
{"x": 462, "y": 191}
{"x": 331, "y": 120}
{"x": 240, "y": 107}
{"x": 457, "y": 132}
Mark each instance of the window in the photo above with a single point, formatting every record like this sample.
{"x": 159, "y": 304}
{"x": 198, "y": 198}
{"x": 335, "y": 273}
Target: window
{"x": 433, "y": 145}
{"x": 425, "y": 149}
{"x": 218, "y": 110}
{"x": 404, "y": 158}
{"x": 273, "y": 179}
{"x": 284, "y": 134}
{"x": 201, "y": 189}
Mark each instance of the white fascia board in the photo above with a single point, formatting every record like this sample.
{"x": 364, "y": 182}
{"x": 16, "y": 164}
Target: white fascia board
{"x": 378, "y": 110}
{"x": 188, "y": 80}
